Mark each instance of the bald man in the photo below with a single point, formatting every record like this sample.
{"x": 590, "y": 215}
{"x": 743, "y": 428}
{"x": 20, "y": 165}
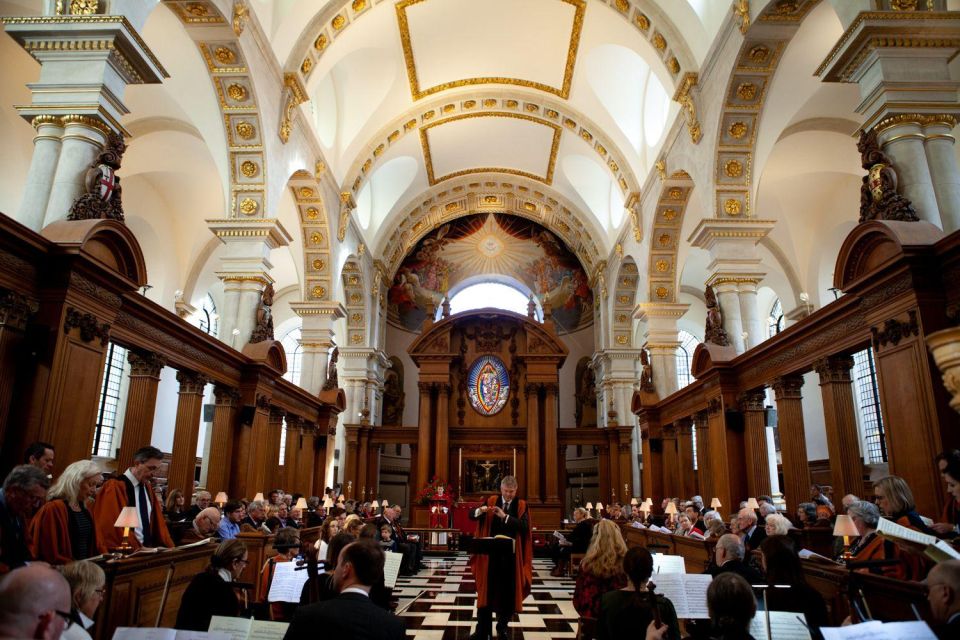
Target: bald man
{"x": 204, "y": 526}
{"x": 943, "y": 594}
{"x": 34, "y": 603}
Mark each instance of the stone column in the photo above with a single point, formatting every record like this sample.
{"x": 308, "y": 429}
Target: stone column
{"x": 183, "y": 464}
{"x": 793, "y": 443}
{"x": 755, "y": 441}
{"x": 840, "y": 419}
{"x": 83, "y": 138}
{"x": 221, "y": 438}
{"x": 687, "y": 481}
{"x": 671, "y": 464}
{"x": 425, "y": 425}
{"x": 729, "y": 299}
{"x": 533, "y": 442}
{"x": 750, "y": 317}
{"x": 43, "y": 166}
{"x": 292, "y": 455}
{"x": 442, "y": 443}
{"x": 651, "y": 478}
{"x": 550, "y": 442}
{"x": 942, "y": 160}
{"x": 145, "y": 370}
{"x": 704, "y": 468}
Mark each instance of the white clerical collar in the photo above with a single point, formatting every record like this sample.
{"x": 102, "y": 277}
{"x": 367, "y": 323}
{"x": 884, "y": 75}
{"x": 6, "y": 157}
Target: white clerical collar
{"x": 84, "y": 620}
{"x": 132, "y": 478}
{"x": 226, "y": 575}
{"x": 356, "y": 590}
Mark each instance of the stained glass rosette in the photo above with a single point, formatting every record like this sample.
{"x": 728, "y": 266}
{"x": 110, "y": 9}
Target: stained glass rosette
{"x": 488, "y": 385}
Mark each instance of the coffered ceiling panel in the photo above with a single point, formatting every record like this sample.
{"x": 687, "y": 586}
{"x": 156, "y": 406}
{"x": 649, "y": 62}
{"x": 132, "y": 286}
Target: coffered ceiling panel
{"x": 453, "y": 43}
{"x": 509, "y": 143}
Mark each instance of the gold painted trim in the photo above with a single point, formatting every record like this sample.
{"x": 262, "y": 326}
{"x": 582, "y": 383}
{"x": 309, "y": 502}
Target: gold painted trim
{"x": 551, "y": 161}
{"x": 904, "y": 136}
{"x": 417, "y": 93}
{"x": 921, "y": 119}
{"x": 941, "y": 136}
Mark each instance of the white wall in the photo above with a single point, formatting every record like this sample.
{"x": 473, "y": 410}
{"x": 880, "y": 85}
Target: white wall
{"x": 813, "y": 424}
{"x": 165, "y": 416}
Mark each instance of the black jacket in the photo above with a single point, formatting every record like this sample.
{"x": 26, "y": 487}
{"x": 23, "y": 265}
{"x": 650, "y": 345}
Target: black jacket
{"x": 742, "y": 569}
{"x": 206, "y": 596}
{"x": 349, "y": 615}
{"x": 753, "y": 542}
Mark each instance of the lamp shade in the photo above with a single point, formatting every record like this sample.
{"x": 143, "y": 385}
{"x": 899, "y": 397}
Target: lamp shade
{"x": 648, "y": 503}
{"x": 128, "y": 518}
{"x": 327, "y": 502}
{"x": 301, "y": 504}
{"x": 341, "y": 498}
{"x": 221, "y": 497}
{"x": 671, "y": 508}
{"x": 715, "y": 503}
{"x": 753, "y": 504}
{"x": 633, "y": 502}
{"x": 845, "y": 527}
{"x": 589, "y": 506}
{"x": 599, "y": 506}
{"x": 384, "y": 504}
{"x": 259, "y": 496}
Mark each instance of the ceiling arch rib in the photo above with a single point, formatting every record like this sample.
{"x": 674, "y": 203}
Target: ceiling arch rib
{"x": 665, "y": 241}
{"x": 317, "y": 269}
{"x": 495, "y": 194}
{"x": 626, "y": 294}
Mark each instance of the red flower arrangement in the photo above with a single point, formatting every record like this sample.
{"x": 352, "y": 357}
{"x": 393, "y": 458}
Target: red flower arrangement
{"x": 435, "y": 490}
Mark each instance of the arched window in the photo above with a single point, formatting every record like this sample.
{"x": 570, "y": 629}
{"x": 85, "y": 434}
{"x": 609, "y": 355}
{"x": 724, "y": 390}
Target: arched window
{"x": 294, "y": 352}
{"x": 490, "y": 294}
{"x": 775, "y": 319}
{"x": 206, "y": 317}
{"x": 688, "y": 344}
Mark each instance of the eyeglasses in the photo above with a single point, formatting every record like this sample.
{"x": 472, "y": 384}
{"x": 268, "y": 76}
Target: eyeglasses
{"x": 67, "y": 618}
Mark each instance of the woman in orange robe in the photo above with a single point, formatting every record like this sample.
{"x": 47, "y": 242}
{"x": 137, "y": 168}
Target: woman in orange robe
{"x": 287, "y": 543}
{"x": 63, "y": 529}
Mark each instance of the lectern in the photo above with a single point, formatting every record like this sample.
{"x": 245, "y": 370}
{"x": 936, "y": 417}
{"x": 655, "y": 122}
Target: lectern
{"x": 495, "y": 546}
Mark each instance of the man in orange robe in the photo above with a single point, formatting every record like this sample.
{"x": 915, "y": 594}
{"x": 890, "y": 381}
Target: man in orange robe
{"x": 503, "y": 580}
{"x": 132, "y": 489}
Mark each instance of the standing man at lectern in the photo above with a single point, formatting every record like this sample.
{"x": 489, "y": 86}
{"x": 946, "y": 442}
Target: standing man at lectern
{"x": 503, "y": 579}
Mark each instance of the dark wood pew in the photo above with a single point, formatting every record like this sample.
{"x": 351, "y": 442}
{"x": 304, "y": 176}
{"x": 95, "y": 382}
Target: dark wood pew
{"x": 135, "y": 586}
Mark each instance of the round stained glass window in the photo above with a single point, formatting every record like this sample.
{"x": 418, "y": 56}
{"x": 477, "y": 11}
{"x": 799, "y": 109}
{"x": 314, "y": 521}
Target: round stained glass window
{"x": 488, "y": 384}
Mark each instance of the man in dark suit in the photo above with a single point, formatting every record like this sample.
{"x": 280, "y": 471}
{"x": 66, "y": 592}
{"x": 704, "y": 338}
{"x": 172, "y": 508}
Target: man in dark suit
{"x": 389, "y": 518}
{"x": 576, "y": 542}
{"x": 752, "y": 534}
{"x": 729, "y": 557}
{"x": 351, "y": 614}
{"x": 943, "y": 594}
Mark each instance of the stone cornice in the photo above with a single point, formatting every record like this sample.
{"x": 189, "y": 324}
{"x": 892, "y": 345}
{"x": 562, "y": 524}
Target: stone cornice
{"x": 234, "y": 229}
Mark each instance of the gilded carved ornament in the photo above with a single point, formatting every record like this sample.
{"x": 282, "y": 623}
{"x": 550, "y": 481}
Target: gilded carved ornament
{"x": 241, "y": 14}
{"x": 347, "y": 205}
{"x": 741, "y": 9}
{"x": 661, "y": 166}
{"x": 684, "y": 97}
{"x": 293, "y": 96}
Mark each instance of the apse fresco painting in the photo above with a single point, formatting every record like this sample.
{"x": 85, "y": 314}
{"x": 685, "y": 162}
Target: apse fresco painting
{"x": 488, "y": 385}
{"x": 494, "y": 244}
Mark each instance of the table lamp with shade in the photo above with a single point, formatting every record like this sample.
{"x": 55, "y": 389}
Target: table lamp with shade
{"x": 753, "y": 504}
{"x": 715, "y": 504}
{"x": 301, "y": 504}
{"x": 128, "y": 519}
{"x": 589, "y": 509}
{"x": 671, "y": 510}
{"x": 599, "y": 509}
{"x": 384, "y": 504}
{"x": 221, "y": 499}
{"x": 327, "y": 503}
{"x": 633, "y": 502}
{"x": 845, "y": 527}
{"x": 258, "y": 497}
{"x": 341, "y": 499}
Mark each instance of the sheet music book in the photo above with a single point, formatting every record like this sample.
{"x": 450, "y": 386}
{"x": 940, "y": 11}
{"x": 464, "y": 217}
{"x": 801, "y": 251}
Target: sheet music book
{"x": 667, "y": 564}
{"x": 150, "y": 633}
{"x": 806, "y": 554}
{"x": 687, "y": 592}
{"x": 559, "y": 536}
{"x": 662, "y": 529}
{"x": 876, "y": 630}
{"x": 287, "y": 583}
{"x": 935, "y": 548}
{"x": 247, "y": 628}
{"x": 198, "y": 543}
{"x": 637, "y": 525}
{"x": 784, "y": 625}
{"x": 391, "y": 568}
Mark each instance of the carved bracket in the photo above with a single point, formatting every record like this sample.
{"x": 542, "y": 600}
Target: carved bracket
{"x": 293, "y": 95}
{"x": 145, "y": 363}
{"x": 15, "y": 310}
{"x": 87, "y": 323}
{"x": 895, "y": 330}
{"x": 684, "y": 96}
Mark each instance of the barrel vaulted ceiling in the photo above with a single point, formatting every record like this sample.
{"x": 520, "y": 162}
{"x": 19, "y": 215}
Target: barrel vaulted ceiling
{"x": 570, "y": 98}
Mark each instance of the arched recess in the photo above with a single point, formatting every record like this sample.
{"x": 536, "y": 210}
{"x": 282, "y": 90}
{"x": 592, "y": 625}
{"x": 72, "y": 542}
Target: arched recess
{"x": 317, "y": 269}
{"x": 236, "y": 95}
{"x": 496, "y": 194}
{"x": 624, "y": 300}
{"x": 665, "y": 238}
{"x": 355, "y": 296}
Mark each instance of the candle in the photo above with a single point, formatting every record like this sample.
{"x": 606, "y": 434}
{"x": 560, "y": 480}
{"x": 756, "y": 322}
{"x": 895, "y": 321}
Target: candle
{"x": 460, "y": 464}
{"x": 514, "y": 461}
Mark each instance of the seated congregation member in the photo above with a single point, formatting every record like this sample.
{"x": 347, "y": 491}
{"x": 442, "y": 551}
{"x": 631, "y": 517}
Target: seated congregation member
{"x": 949, "y": 525}
{"x": 777, "y": 525}
{"x": 329, "y": 529}
{"x": 41, "y": 456}
{"x": 87, "y": 588}
{"x": 256, "y": 518}
{"x": 282, "y": 519}
{"x": 729, "y": 555}
{"x": 819, "y": 498}
{"x": 808, "y": 517}
{"x": 34, "y": 601}
{"x": 782, "y": 566}
{"x": 895, "y": 500}
{"x": 625, "y": 610}
{"x": 230, "y": 523}
{"x": 287, "y": 544}
{"x": 686, "y": 527}
{"x": 24, "y": 491}
{"x": 943, "y": 594}
{"x": 576, "y": 541}
{"x": 352, "y": 525}
{"x": 351, "y": 614}
{"x": 321, "y": 586}
{"x": 601, "y": 569}
{"x": 132, "y": 488}
{"x": 62, "y": 530}
{"x": 201, "y": 500}
{"x": 766, "y": 510}
{"x": 871, "y": 547}
{"x": 203, "y": 527}
{"x": 750, "y": 532}
{"x": 211, "y": 593}
{"x": 715, "y": 528}
{"x": 313, "y": 517}
{"x": 732, "y": 605}
{"x": 175, "y": 510}
{"x": 695, "y": 517}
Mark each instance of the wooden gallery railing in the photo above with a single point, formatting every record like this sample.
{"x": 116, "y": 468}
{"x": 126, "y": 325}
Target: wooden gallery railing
{"x": 69, "y": 291}
{"x": 901, "y": 282}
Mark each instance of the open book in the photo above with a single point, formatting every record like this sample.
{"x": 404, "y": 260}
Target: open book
{"x": 806, "y": 554}
{"x": 287, "y": 583}
{"x": 784, "y": 625}
{"x": 935, "y": 548}
{"x": 667, "y": 564}
{"x": 876, "y": 630}
{"x": 246, "y": 629}
{"x": 148, "y": 633}
{"x": 687, "y": 592}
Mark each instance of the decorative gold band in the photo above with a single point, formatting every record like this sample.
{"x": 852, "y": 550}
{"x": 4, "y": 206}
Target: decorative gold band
{"x": 921, "y": 119}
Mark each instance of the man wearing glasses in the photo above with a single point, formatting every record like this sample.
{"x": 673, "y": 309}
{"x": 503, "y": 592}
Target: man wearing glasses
{"x": 24, "y": 491}
{"x": 943, "y": 594}
{"x": 34, "y": 603}
{"x": 204, "y": 526}
{"x": 132, "y": 489}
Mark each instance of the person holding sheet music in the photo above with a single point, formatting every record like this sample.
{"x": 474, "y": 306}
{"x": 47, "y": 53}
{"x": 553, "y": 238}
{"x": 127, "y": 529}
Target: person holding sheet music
{"x": 502, "y": 580}
{"x": 601, "y": 569}
{"x": 87, "y": 588}
{"x": 895, "y": 499}
{"x": 871, "y": 547}
{"x": 625, "y": 610}
{"x": 287, "y": 544}
{"x": 787, "y": 588}
{"x": 211, "y": 593}
{"x": 949, "y": 525}
{"x": 62, "y": 530}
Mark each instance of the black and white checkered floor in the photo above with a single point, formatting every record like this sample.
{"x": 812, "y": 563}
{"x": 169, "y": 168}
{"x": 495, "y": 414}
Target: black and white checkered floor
{"x": 446, "y": 608}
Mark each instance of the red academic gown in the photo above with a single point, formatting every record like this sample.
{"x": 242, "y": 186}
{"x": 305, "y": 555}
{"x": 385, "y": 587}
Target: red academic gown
{"x": 523, "y": 576}
{"x": 111, "y": 499}
{"x": 50, "y": 534}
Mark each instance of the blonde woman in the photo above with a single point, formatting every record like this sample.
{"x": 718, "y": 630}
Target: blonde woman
{"x": 87, "y": 587}
{"x": 601, "y": 569}
{"x": 352, "y": 525}
{"x": 777, "y": 525}
{"x": 63, "y": 529}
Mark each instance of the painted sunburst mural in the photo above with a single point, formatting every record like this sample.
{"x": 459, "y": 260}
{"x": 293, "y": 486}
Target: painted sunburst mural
{"x": 491, "y": 244}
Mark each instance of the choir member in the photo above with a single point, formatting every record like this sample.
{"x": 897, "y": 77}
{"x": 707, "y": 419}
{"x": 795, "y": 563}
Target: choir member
{"x": 63, "y": 530}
